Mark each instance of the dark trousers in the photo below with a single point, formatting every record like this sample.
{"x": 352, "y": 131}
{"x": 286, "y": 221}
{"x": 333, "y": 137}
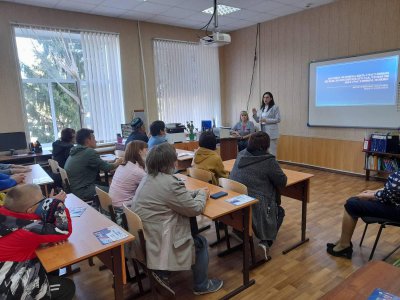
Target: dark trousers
{"x": 61, "y": 288}
{"x": 372, "y": 208}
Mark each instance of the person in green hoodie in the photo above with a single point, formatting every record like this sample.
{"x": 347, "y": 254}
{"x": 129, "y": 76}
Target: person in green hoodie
{"x": 207, "y": 158}
{"x": 260, "y": 172}
{"x": 84, "y": 163}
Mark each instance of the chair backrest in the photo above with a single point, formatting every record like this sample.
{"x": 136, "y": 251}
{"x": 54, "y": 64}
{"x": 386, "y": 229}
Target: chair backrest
{"x": 65, "y": 180}
{"x": 54, "y": 166}
{"x": 135, "y": 227}
{"x": 104, "y": 199}
{"x": 233, "y": 185}
{"x": 119, "y": 153}
{"x": 137, "y": 251}
{"x": 200, "y": 174}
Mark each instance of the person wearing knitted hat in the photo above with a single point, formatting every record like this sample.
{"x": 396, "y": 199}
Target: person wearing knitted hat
{"x": 138, "y": 131}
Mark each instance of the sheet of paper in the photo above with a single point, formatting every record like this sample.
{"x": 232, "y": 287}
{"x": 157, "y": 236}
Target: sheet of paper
{"x": 76, "y": 211}
{"x": 110, "y": 234}
{"x": 239, "y": 200}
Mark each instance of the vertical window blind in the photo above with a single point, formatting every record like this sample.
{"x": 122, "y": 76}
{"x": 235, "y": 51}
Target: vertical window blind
{"x": 104, "y": 83}
{"x": 70, "y": 79}
{"x": 187, "y": 82}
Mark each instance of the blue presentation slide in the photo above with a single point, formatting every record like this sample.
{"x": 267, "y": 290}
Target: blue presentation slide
{"x": 365, "y": 82}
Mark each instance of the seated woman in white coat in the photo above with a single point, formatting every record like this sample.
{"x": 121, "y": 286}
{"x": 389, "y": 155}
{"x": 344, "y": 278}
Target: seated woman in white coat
{"x": 165, "y": 207}
{"x": 269, "y": 117}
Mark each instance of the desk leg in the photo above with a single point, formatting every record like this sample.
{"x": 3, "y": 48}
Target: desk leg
{"x": 246, "y": 250}
{"x": 304, "y": 200}
{"x": 117, "y": 271}
{"x": 113, "y": 260}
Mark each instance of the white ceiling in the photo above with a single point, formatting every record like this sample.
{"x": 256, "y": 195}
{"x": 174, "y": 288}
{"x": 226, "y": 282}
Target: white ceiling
{"x": 183, "y": 13}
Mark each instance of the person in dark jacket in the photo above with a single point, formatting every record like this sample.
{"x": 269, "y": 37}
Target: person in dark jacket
{"x": 260, "y": 172}
{"x": 138, "y": 131}
{"x": 62, "y": 147}
{"x": 83, "y": 165}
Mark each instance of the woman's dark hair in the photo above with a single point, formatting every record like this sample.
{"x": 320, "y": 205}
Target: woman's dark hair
{"x": 132, "y": 152}
{"x": 258, "y": 141}
{"x": 270, "y": 104}
{"x": 156, "y": 127}
{"x": 67, "y": 135}
{"x": 208, "y": 140}
{"x": 161, "y": 159}
{"x": 82, "y": 135}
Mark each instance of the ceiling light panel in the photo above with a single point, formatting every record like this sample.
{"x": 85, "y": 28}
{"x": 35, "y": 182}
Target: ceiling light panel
{"x": 221, "y": 9}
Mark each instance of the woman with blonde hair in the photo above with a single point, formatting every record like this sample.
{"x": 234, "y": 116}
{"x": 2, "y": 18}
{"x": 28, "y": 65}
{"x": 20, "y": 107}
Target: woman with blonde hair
{"x": 243, "y": 129}
{"x": 129, "y": 174}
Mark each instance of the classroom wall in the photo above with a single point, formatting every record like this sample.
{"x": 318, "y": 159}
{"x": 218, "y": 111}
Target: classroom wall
{"x": 11, "y": 112}
{"x": 287, "y": 45}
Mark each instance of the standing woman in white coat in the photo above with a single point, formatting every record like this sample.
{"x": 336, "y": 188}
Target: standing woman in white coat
{"x": 269, "y": 117}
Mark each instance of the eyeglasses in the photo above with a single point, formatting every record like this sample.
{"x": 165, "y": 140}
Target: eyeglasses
{"x": 44, "y": 198}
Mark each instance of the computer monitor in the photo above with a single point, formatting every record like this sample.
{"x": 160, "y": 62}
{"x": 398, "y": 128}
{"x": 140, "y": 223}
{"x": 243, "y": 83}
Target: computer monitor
{"x": 12, "y": 140}
{"x": 206, "y": 125}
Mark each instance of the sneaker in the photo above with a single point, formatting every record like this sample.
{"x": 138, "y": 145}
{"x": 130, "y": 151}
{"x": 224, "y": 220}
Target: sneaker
{"x": 212, "y": 286}
{"x": 265, "y": 250}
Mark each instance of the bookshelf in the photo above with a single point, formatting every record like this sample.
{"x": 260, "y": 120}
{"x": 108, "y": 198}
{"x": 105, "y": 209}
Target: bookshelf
{"x": 380, "y": 162}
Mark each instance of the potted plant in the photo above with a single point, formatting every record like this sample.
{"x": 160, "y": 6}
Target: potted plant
{"x": 190, "y": 128}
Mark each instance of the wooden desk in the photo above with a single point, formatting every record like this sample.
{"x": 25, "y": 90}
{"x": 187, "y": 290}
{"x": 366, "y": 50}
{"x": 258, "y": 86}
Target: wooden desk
{"x": 237, "y": 216}
{"x": 297, "y": 187}
{"x": 228, "y": 148}
{"x": 184, "y": 159}
{"x": 188, "y": 145}
{"x": 82, "y": 244}
{"x": 26, "y": 158}
{"x": 38, "y": 176}
{"x": 110, "y": 158}
{"x": 360, "y": 284}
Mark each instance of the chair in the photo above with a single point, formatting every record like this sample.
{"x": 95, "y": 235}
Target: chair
{"x": 106, "y": 203}
{"x": 205, "y": 176}
{"x": 138, "y": 256}
{"x": 383, "y": 223}
{"x": 240, "y": 188}
{"x": 119, "y": 153}
{"x": 200, "y": 174}
{"x": 232, "y": 185}
{"x": 65, "y": 181}
{"x": 54, "y": 166}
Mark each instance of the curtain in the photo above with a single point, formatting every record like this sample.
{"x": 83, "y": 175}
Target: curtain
{"x": 104, "y": 112}
{"x": 187, "y": 82}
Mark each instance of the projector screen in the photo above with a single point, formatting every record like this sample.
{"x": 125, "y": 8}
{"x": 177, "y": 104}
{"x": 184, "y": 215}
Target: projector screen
{"x": 357, "y": 91}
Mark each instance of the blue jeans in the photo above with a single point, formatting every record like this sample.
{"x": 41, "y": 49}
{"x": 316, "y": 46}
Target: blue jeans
{"x": 200, "y": 267}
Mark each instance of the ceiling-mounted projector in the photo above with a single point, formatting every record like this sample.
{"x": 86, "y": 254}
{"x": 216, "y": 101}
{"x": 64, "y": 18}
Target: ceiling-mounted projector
{"x": 217, "y": 39}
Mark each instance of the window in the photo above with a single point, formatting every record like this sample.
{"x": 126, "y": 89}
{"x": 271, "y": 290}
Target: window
{"x": 187, "y": 81}
{"x": 70, "y": 79}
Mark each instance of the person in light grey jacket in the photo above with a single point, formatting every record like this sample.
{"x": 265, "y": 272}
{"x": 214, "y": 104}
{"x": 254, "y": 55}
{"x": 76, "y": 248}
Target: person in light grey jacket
{"x": 269, "y": 117}
{"x": 260, "y": 172}
{"x": 165, "y": 207}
